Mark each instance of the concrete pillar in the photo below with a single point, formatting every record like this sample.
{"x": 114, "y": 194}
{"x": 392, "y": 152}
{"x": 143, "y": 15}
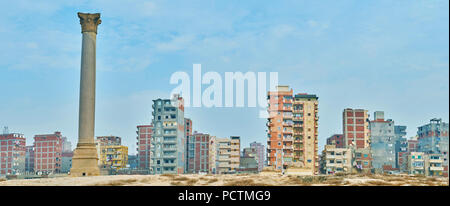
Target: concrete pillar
{"x": 85, "y": 158}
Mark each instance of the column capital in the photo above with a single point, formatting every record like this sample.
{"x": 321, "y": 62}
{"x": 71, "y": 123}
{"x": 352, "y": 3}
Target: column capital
{"x": 89, "y": 22}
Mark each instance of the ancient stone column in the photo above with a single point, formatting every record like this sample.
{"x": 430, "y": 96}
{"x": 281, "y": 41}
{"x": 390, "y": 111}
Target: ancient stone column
{"x": 85, "y": 158}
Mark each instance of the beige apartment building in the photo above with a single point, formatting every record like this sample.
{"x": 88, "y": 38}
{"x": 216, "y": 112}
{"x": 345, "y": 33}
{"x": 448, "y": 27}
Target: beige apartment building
{"x": 305, "y": 112}
{"x": 228, "y": 154}
{"x": 223, "y": 159}
{"x": 416, "y": 163}
{"x": 292, "y": 130}
{"x": 337, "y": 160}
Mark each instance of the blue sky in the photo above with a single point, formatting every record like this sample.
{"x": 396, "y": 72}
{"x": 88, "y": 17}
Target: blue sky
{"x": 391, "y": 56}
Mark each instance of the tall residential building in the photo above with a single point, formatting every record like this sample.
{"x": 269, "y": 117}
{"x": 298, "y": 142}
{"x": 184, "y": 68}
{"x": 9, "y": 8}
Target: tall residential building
{"x": 109, "y": 140}
{"x": 401, "y": 144}
{"x": 306, "y": 126}
{"x": 187, "y": 133}
{"x": 48, "y": 153}
{"x": 168, "y": 139}
{"x": 223, "y": 157}
{"x": 198, "y": 153}
{"x": 433, "y": 139}
{"x": 279, "y": 137}
{"x": 383, "y": 141}
{"x": 144, "y": 135}
{"x": 292, "y": 129}
{"x": 12, "y": 153}
{"x": 29, "y": 159}
{"x": 235, "y": 155}
{"x": 336, "y": 140}
{"x": 356, "y": 128}
{"x": 260, "y": 154}
{"x": 213, "y": 155}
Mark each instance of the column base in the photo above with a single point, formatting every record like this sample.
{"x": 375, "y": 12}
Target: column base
{"x": 85, "y": 161}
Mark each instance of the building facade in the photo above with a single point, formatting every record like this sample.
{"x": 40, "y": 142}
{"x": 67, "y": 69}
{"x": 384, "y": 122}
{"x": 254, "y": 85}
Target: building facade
{"x": 66, "y": 161}
{"x": 306, "y": 126}
{"x": 280, "y": 127}
{"x": 356, "y": 128}
{"x": 433, "y": 139}
{"x": 144, "y": 136}
{"x": 235, "y": 154}
{"x": 260, "y": 154}
{"x": 48, "y": 153}
{"x": 114, "y": 157}
{"x": 29, "y": 159}
{"x": 383, "y": 140}
{"x": 416, "y": 163}
{"x": 292, "y": 129}
{"x": 168, "y": 139}
{"x": 223, "y": 157}
{"x": 12, "y": 153}
{"x": 213, "y": 154}
{"x": 198, "y": 153}
{"x": 336, "y": 160}
{"x": 336, "y": 140}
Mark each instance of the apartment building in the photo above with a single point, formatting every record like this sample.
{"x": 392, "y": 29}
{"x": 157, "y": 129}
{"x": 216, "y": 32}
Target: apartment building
{"x": 416, "y": 163}
{"x": 188, "y": 130}
{"x": 66, "y": 162}
{"x": 433, "y": 139}
{"x": 12, "y": 153}
{"x": 198, "y": 153}
{"x": 213, "y": 155}
{"x": 280, "y": 127}
{"x": 144, "y": 135}
{"x": 235, "y": 155}
{"x": 168, "y": 138}
{"x": 362, "y": 158}
{"x": 434, "y": 165}
{"x": 336, "y": 160}
{"x": 356, "y": 128}
{"x": 260, "y": 154}
{"x": 337, "y": 140}
{"x": 29, "y": 159}
{"x": 305, "y": 119}
{"x": 113, "y": 156}
{"x": 223, "y": 155}
{"x": 48, "y": 153}
{"x": 383, "y": 140}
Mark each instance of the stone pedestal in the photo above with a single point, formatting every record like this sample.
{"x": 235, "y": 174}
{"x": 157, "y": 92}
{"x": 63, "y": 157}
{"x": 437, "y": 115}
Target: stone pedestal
{"x": 85, "y": 158}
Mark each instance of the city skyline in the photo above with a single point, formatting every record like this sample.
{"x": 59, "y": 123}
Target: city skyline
{"x": 392, "y": 57}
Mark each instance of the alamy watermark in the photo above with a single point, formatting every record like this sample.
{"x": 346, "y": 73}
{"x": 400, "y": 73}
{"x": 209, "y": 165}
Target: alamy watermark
{"x": 218, "y": 94}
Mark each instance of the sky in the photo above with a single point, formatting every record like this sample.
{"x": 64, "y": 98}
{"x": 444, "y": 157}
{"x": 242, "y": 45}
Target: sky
{"x": 390, "y": 56}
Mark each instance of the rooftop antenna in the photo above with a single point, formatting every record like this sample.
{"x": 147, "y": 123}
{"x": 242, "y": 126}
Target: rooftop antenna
{"x": 5, "y": 130}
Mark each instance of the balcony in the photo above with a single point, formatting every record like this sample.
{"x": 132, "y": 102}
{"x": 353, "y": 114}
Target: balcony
{"x": 298, "y": 110}
{"x": 288, "y": 147}
{"x": 436, "y": 168}
{"x": 288, "y": 139}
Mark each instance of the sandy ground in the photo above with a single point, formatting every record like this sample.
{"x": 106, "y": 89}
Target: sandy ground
{"x": 231, "y": 180}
